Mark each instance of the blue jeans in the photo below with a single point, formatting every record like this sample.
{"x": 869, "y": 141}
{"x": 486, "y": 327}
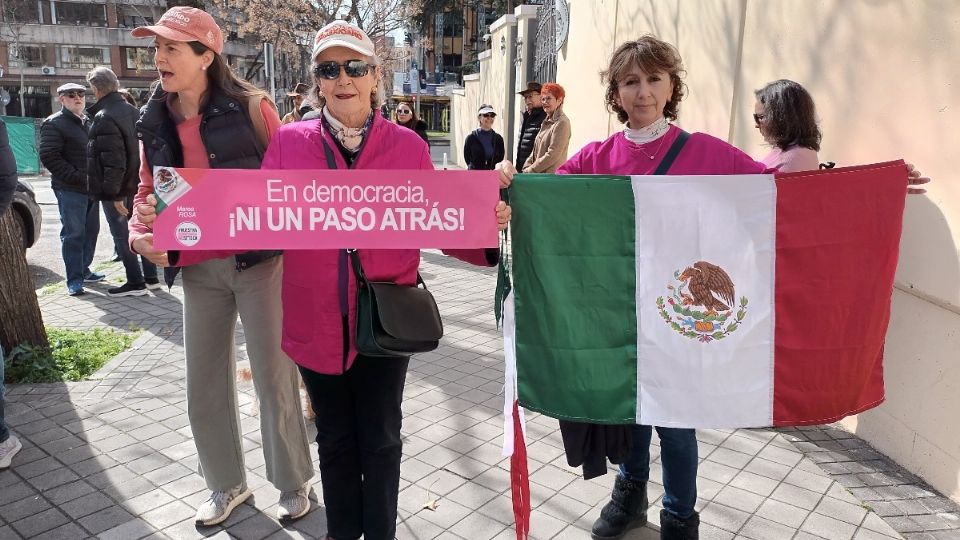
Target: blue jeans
{"x": 78, "y": 234}
{"x": 4, "y": 433}
{"x": 121, "y": 242}
{"x": 678, "y": 458}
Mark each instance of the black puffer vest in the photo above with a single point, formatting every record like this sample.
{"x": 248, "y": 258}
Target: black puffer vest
{"x": 228, "y": 137}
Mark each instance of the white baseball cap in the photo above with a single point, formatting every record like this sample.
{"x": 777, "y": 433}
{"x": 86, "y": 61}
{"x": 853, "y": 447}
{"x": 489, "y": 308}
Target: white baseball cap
{"x": 485, "y": 109}
{"x": 343, "y": 34}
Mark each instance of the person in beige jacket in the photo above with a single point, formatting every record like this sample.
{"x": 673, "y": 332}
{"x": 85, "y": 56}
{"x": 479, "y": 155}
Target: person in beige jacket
{"x": 550, "y": 146}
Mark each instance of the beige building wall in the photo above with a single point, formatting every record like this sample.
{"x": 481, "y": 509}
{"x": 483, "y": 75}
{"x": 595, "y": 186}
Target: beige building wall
{"x": 885, "y": 78}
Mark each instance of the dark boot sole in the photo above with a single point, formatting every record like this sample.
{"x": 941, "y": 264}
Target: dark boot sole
{"x": 635, "y": 524}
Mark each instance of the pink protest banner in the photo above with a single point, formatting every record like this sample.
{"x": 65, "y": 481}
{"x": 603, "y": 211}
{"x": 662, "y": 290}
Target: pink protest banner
{"x": 318, "y": 209}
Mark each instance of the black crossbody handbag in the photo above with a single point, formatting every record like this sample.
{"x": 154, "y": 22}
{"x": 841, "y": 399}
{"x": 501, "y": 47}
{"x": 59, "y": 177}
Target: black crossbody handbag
{"x": 392, "y": 319}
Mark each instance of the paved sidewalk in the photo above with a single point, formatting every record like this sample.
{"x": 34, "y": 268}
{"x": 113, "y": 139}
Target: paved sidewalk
{"x": 113, "y": 457}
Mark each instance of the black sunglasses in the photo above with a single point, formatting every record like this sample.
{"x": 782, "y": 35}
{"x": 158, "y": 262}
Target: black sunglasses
{"x": 489, "y": 115}
{"x": 403, "y": 111}
{"x": 331, "y": 70}
{"x": 759, "y": 118}
{"x": 74, "y": 94}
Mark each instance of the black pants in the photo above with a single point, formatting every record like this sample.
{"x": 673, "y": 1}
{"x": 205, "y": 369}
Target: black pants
{"x": 358, "y": 434}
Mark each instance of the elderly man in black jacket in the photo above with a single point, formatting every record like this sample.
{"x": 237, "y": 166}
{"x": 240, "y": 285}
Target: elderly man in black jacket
{"x": 63, "y": 151}
{"x": 532, "y": 119}
{"x": 113, "y": 163}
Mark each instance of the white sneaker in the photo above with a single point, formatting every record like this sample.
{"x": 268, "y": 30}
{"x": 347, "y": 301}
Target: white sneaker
{"x": 294, "y": 504}
{"x": 217, "y": 508}
{"x": 8, "y": 449}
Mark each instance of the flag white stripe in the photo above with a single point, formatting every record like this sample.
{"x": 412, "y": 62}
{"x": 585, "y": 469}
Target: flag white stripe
{"x": 510, "y": 375}
{"x": 728, "y": 221}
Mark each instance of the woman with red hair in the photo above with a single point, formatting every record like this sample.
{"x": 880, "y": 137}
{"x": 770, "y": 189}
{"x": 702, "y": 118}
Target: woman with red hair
{"x": 550, "y": 146}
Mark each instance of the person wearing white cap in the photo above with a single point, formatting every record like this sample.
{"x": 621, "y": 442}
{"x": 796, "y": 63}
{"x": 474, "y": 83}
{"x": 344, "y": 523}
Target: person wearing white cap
{"x": 484, "y": 148}
{"x": 63, "y": 151}
{"x": 356, "y": 397}
{"x": 201, "y": 115}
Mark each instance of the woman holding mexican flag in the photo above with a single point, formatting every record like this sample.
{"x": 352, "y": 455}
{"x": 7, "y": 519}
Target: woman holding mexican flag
{"x": 644, "y": 88}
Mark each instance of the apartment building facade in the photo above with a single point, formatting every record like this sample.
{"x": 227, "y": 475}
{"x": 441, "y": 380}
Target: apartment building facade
{"x": 46, "y": 43}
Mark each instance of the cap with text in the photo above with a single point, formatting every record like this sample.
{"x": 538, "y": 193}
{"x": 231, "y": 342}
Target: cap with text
{"x": 343, "y": 34}
{"x": 185, "y": 24}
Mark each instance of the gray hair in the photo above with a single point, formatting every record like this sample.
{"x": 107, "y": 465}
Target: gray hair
{"x": 103, "y": 79}
{"x": 377, "y": 98}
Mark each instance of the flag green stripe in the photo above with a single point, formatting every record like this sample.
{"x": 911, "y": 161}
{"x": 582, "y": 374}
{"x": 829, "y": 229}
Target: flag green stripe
{"x": 590, "y": 292}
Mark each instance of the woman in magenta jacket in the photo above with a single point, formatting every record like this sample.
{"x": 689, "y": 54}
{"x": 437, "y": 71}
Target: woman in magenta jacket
{"x": 356, "y": 398}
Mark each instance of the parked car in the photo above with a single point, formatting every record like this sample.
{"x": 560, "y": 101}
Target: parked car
{"x": 28, "y": 212}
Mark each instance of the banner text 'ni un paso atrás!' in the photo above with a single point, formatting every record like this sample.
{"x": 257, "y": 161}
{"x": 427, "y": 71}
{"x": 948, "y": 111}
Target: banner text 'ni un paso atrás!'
{"x": 319, "y": 209}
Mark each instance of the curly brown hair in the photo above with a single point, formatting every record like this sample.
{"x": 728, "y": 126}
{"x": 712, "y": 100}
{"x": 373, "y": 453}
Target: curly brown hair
{"x": 652, "y": 55}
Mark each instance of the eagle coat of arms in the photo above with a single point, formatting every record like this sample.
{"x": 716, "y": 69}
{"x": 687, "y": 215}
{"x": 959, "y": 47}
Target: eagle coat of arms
{"x": 701, "y": 303}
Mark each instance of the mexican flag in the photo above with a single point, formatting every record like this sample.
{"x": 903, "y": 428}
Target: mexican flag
{"x": 701, "y": 301}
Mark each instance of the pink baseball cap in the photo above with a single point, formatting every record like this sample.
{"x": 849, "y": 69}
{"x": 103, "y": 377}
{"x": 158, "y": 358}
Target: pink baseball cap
{"x": 185, "y": 24}
{"x": 343, "y": 34}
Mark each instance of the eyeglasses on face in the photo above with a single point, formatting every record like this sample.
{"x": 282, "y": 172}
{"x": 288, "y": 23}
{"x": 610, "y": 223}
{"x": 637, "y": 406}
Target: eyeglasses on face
{"x": 758, "y": 118}
{"x": 73, "y": 94}
{"x": 489, "y": 115}
{"x": 331, "y": 70}
{"x": 403, "y": 111}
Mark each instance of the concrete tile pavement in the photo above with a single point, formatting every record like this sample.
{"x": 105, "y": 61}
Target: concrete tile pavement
{"x": 112, "y": 457}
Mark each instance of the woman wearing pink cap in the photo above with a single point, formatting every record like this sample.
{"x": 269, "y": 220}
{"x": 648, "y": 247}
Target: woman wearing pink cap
{"x": 356, "y": 398}
{"x": 201, "y": 115}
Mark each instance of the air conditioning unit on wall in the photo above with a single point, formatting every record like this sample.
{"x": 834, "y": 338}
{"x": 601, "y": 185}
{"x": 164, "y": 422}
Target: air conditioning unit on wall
{"x": 48, "y": 70}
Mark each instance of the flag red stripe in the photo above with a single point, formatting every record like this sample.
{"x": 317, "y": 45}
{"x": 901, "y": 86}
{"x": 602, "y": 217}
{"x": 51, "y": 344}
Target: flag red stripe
{"x": 519, "y": 478}
{"x": 838, "y": 238}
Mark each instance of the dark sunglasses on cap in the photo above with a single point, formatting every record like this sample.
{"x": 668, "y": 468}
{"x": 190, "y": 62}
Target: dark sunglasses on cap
{"x": 73, "y": 93}
{"x": 331, "y": 70}
{"x": 489, "y": 115}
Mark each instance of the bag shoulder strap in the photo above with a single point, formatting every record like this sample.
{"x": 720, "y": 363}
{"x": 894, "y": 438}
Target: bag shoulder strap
{"x": 256, "y": 116}
{"x": 362, "y": 278}
{"x": 328, "y": 152}
{"x": 672, "y": 153}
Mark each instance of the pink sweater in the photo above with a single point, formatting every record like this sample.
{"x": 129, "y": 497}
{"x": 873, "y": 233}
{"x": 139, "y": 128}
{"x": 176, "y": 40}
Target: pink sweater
{"x": 702, "y": 154}
{"x": 314, "y": 280}
{"x": 793, "y": 159}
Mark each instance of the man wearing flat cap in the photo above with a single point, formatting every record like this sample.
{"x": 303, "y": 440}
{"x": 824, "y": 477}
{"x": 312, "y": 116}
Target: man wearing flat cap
{"x": 63, "y": 151}
{"x": 532, "y": 118}
{"x": 300, "y": 106}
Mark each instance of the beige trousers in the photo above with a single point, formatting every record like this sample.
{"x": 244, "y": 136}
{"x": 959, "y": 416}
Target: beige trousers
{"x": 214, "y": 294}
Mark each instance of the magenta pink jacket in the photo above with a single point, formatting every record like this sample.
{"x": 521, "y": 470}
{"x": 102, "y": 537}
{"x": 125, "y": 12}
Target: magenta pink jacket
{"x": 319, "y": 288}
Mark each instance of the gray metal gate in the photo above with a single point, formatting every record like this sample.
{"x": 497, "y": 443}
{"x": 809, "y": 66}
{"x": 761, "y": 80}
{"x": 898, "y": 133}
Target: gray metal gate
{"x": 545, "y": 53}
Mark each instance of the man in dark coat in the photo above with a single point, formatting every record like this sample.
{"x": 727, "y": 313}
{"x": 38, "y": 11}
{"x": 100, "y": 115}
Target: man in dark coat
{"x": 113, "y": 167}
{"x": 532, "y": 118}
{"x": 63, "y": 151}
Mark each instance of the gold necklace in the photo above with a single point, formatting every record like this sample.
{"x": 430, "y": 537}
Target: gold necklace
{"x": 659, "y": 146}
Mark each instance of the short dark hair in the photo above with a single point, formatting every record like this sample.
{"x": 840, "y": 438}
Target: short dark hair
{"x": 790, "y": 116}
{"x": 651, "y": 55}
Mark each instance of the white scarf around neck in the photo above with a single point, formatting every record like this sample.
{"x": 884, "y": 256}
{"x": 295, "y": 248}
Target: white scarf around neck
{"x": 647, "y": 134}
{"x": 350, "y": 138}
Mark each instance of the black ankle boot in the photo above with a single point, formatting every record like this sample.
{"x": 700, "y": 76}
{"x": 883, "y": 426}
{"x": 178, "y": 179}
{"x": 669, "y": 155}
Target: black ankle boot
{"x": 674, "y": 528}
{"x": 626, "y": 510}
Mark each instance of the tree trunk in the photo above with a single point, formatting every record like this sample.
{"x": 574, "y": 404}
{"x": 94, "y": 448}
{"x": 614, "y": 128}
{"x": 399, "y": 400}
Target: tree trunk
{"x": 20, "y": 318}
